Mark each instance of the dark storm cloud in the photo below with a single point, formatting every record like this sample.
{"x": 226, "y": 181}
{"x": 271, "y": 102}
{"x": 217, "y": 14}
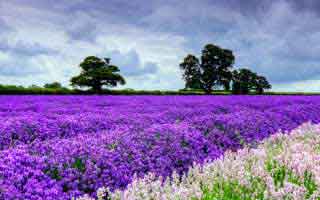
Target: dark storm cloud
{"x": 279, "y": 38}
{"x": 256, "y": 7}
{"x": 307, "y": 5}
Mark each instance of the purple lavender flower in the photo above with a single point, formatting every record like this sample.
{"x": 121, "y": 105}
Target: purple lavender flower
{"x": 58, "y": 147}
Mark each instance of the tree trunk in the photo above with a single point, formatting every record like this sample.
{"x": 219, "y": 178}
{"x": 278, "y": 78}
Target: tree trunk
{"x": 208, "y": 90}
{"x": 97, "y": 89}
{"x": 260, "y": 91}
{"x": 227, "y": 86}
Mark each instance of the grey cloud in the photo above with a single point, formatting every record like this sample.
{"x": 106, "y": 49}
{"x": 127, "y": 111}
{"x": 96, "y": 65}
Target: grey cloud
{"x": 19, "y": 68}
{"x": 278, "y": 38}
{"x": 4, "y": 27}
{"x": 85, "y": 32}
{"x": 280, "y": 43}
{"x": 22, "y": 49}
{"x": 20, "y": 61}
{"x": 130, "y": 64}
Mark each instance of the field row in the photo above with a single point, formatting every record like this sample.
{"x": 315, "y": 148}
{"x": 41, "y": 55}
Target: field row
{"x": 58, "y": 147}
{"x": 284, "y": 166}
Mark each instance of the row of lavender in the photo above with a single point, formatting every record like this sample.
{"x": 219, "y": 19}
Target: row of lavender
{"x": 55, "y": 147}
{"x": 283, "y": 166}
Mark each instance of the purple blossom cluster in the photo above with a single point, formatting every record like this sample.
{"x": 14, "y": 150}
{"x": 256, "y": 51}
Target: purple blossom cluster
{"x": 58, "y": 147}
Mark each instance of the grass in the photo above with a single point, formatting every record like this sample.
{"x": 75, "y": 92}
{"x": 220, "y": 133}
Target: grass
{"x": 16, "y": 90}
{"x": 256, "y": 190}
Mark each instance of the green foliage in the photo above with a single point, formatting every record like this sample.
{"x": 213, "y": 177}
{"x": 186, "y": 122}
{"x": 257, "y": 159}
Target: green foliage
{"x": 97, "y": 73}
{"x": 278, "y": 173}
{"x": 216, "y": 64}
{"x": 309, "y": 184}
{"x": 54, "y": 85}
{"x": 112, "y": 146}
{"x": 255, "y": 190}
{"x": 53, "y": 173}
{"x": 79, "y": 164}
{"x": 191, "y": 72}
{"x": 233, "y": 190}
{"x": 245, "y": 81}
{"x": 281, "y": 173}
{"x": 213, "y": 70}
{"x": 12, "y": 89}
{"x": 261, "y": 84}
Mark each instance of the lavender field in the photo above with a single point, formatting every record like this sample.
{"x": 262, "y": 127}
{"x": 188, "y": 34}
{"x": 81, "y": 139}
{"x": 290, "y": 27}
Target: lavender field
{"x": 59, "y": 147}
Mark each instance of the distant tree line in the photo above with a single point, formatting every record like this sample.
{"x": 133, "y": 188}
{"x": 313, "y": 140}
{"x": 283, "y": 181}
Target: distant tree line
{"x": 212, "y": 70}
{"x": 34, "y": 89}
{"x": 215, "y": 69}
{"x": 54, "y": 85}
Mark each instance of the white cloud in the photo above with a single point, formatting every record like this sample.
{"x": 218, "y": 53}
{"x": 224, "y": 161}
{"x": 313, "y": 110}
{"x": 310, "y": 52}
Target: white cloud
{"x": 299, "y": 86}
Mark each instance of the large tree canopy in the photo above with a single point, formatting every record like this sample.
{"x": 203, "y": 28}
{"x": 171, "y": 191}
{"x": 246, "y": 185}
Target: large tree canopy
{"x": 262, "y": 84}
{"x": 192, "y": 73}
{"x": 214, "y": 68}
{"x": 244, "y": 81}
{"x": 216, "y": 64}
{"x": 96, "y": 73}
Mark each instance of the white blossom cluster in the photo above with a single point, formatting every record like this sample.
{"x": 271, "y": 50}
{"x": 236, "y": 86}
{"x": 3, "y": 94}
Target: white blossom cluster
{"x": 286, "y": 164}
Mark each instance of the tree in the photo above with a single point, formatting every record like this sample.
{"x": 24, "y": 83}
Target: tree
{"x": 225, "y": 79}
{"x": 191, "y": 74}
{"x": 34, "y": 86}
{"x": 215, "y": 66}
{"x": 54, "y": 85}
{"x": 236, "y": 82}
{"x": 261, "y": 84}
{"x": 96, "y": 73}
{"x": 244, "y": 81}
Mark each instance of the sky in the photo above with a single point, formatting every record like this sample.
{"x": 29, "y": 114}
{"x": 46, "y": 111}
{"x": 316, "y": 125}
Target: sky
{"x": 42, "y": 41}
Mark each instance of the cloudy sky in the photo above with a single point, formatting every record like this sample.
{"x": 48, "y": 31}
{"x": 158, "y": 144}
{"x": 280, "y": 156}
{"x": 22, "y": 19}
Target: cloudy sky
{"x": 44, "y": 40}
